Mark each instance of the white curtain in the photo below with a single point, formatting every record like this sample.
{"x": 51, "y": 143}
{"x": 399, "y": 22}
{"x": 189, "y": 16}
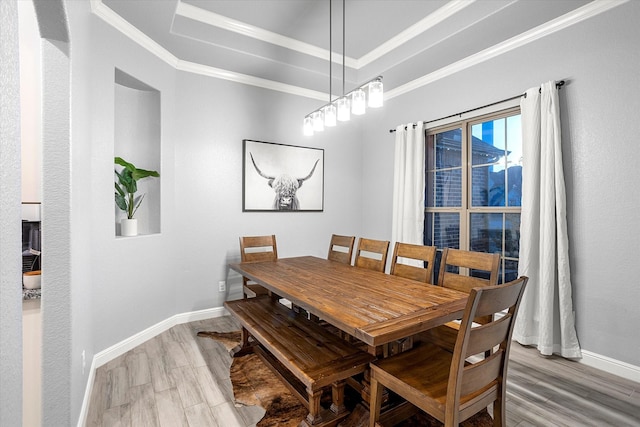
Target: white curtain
{"x": 546, "y": 317}
{"x": 408, "y": 185}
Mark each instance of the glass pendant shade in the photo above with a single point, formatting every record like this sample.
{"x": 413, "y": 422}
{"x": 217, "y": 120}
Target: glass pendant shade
{"x": 330, "y": 115}
{"x": 358, "y": 102}
{"x": 375, "y": 94}
{"x": 344, "y": 113}
{"x": 307, "y": 127}
{"x": 318, "y": 121}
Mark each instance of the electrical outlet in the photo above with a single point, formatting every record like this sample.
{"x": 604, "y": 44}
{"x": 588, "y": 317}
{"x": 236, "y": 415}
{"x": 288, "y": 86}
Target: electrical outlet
{"x": 222, "y": 286}
{"x": 84, "y": 361}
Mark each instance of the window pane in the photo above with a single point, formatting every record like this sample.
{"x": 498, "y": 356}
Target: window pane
{"x": 488, "y": 142}
{"x": 488, "y": 186}
{"x": 512, "y": 235}
{"x": 510, "y": 271}
{"x": 442, "y": 230}
{"x": 486, "y": 232}
{"x": 444, "y": 188}
{"x": 448, "y": 149}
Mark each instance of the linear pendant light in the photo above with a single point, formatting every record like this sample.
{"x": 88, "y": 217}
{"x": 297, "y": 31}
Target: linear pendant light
{"x": 354, "y": 102}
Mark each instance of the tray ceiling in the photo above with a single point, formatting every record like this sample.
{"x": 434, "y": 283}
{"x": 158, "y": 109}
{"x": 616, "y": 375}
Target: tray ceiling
{"x": 284, "y": 44}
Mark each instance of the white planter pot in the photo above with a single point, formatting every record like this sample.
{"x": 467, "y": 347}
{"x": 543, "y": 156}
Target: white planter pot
{"x": 129, "y": 227}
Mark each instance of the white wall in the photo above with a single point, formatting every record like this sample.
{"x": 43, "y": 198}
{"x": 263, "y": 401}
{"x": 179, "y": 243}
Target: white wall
{"x": 599, "y": 59}
{"x": 30, "y": 88}
{"x": 10, "y": 292}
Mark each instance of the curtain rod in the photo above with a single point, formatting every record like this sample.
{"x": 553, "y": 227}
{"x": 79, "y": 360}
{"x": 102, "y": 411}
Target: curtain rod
{"x": 558, "y": 85}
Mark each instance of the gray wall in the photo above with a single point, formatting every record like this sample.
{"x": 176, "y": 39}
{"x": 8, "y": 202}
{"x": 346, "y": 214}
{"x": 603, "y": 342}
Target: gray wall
{"x": 599, "y": 58}
{"x": 10, "y": 294}
{"x": 119, "y": 287}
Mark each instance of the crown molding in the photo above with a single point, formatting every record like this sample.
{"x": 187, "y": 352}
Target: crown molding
{"x": 565, "y": 21}
{"x": 211, "y": 18}
{"x": 585, "y": 12}
{"x": 446, "y": 11}
{"x": 219, "y": 73}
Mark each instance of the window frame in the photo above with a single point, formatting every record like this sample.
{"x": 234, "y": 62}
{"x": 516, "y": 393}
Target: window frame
{"x": 466, "y": 210}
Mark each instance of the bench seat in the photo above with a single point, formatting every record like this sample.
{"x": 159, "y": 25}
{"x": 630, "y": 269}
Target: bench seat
{"x": 312, "y": 357}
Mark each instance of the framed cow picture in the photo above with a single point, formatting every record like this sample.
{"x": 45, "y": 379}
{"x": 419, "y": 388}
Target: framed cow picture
{"x": 282, "y": 178}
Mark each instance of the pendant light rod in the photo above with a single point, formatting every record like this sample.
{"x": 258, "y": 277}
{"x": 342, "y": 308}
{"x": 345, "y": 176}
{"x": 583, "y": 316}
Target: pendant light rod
{"x": 330, "y": 54}
{"x": 343, "y": 44}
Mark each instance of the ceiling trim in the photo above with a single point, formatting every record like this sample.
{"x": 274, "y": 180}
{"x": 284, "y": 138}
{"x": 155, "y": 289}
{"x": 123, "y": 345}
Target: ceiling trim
{"x": 219, "y": 73}
{"x": 440, "y": 15}
{"x": 571, "y": 18}
{"x": 211, "y": 18}
{"x": 567, "y": 20}
{"x": 125, "y": 27}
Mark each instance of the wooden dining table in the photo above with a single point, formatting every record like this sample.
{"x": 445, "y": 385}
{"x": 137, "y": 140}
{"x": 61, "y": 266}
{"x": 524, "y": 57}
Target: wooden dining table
{"x": 374, "y": 307}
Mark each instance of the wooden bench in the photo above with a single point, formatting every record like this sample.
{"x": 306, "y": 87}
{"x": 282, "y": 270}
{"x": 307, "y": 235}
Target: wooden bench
{"x": 303, "y": 354}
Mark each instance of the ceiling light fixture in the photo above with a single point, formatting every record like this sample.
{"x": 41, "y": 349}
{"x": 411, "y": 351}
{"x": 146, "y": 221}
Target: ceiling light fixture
{"x": 354, "y": 102}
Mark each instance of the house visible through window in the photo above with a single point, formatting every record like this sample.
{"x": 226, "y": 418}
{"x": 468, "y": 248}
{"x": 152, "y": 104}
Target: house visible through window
{"x": 474, "y": 188}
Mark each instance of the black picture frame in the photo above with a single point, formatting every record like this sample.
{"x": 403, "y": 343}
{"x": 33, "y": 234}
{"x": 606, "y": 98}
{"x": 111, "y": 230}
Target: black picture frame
{"x": 281, "y": 178}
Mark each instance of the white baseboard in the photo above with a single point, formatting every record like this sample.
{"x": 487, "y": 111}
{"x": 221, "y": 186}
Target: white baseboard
{"x": 130, "y": 343}
{"x": 611, "y": 366}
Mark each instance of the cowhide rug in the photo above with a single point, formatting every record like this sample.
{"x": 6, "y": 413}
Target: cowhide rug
{"x": 255, "y": 384}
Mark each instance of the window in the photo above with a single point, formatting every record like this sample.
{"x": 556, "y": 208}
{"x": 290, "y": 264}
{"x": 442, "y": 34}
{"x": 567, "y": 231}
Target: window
{"x": 474, "y": 188}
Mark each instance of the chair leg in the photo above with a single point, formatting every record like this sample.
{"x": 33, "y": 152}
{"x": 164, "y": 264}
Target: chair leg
{"x": 499, "y": 411}
{"x": 375, "y": 403}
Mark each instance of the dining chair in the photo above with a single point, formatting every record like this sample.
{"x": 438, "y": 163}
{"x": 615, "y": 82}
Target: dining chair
{"x": 372, "y": 254}
{"x": 341, "y": 248}
{"x": 254, "y": 249}
{"x": 483, "y": 265}
{"x": 453, "y": 386}
{"x": 426, "y": 255}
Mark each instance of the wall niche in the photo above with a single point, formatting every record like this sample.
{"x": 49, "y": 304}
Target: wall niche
{"x": 137, "y": 139}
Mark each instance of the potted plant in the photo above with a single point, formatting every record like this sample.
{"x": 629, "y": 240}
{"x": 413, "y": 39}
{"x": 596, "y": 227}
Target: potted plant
{"x": 126, "y": 188}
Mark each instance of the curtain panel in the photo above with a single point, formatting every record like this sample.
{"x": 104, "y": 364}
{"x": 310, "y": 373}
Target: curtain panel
{"x": 546, "y": 316}
{"x": 409, "y": 185}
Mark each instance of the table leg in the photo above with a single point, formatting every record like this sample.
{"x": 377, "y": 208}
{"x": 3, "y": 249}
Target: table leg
{"x": 337, "y": 397}
{"x": 244, "y": 347}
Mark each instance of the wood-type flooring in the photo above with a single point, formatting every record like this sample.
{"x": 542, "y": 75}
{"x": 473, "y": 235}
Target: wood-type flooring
{"x": 177, "y": 379}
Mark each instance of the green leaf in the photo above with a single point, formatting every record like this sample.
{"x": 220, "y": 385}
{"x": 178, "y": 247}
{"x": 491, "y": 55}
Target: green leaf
{"x": 119, "y": 189}
{"x": 121, "y": 202}
{"x": 120, "y": 161}
{"x": 142, "y": 173}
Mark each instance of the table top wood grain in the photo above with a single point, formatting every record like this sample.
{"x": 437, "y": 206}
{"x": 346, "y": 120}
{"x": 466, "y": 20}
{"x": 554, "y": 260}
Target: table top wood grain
{"x": 374, "y": 307}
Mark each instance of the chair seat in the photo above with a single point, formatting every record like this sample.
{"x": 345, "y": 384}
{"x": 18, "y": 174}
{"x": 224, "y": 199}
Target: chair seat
{"x": 427, "y": 358}
{"x": 424, "y": 373}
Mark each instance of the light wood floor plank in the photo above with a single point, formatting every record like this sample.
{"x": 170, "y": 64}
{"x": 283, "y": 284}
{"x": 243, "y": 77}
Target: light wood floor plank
{"x": 178, "y": 379}
{"x": 144, "y": 411}
{"x": 170, "y": 410}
